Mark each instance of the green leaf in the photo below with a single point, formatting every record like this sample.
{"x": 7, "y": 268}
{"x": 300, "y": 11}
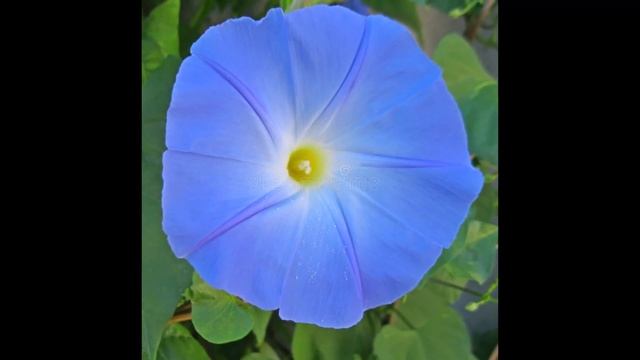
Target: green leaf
{"x": 471, "y": 256}
{"x": 178, "y": 344}
{"x": 256, "y": 356}
{"x": 266, "y": 353}
{"x": 462, "y": 70}
{"x": 260, "y": 322}
{"x": 480, "y": 114}
{"x": 485, "y": 207}
{"x": 218, "y": 316}
{"x": 161, "y": 26}
{"x": 164, "y": 277}
{"x": 394, "y": 344}
{"x": 402, "y": 10}
{"x": 478, "y": 258}
{"x": 455, "y": 8}
{"x": 475, "y": 91}
{"x": 442, "y": 332}
{"x": 311, "y": 342}
{"x": 485, "y": 343}
{"x": 285, "y": 4}
{"x": 159, "y": 36}
{"x": 447, "y": 293}
{"x": 152, "y": 56}
{"x": 290, "y": 5}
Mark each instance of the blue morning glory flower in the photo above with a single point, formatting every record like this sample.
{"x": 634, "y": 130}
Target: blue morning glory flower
{"x": 316, "y": 163}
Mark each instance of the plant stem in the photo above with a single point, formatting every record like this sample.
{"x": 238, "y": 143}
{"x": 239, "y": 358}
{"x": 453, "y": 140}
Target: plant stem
{"x": 457, "y": 287}
{"x": 494, "y": 354}
{"x": 180, "y": 318}
{"x": 184, "y": 307}
{"x": 403, "y": 318}
{"x": 472, "y": 29}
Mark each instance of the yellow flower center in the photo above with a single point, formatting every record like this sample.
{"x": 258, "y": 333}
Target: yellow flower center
{"x": 307, "y": 165}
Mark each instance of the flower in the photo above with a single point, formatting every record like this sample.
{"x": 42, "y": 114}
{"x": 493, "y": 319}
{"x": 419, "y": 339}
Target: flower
{"x": 316, "y": 163}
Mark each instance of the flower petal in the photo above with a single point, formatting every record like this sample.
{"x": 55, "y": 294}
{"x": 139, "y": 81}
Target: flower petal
{"x": 254, "y": 57}
{"x": 430, "y": 199}
{"x": 208, "y": 116}
{"x": 323, "y": 285}
{"x": 392, "y": 69}
{"x": 252, "y": 259}
{"x": 319, "y": 66}
{"x": 401, "y": 215}
{"x": 426, "y": 127}
{"x": 201, "y": 193}
{"x": 392, "y": 257}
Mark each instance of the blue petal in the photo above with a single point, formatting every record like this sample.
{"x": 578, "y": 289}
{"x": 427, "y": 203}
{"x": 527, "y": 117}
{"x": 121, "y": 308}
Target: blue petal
{"x": 429, "y": 198}
{"x": 401, "y": 218}
{"x": 201, "y": 193}
{"x": 323, "y": 285}
{"x": 390, "y": 69}
{"x": 254, "y": 57}
{"x": 425, "y": 127}
{"x": 208, "y": 116}
{"x": 402, "y": 184}
{"x": 251, "y": 259}
{"x": 295, "y": 256}
{"x": 324, "y": 41}
{"x": 393, "y": 258}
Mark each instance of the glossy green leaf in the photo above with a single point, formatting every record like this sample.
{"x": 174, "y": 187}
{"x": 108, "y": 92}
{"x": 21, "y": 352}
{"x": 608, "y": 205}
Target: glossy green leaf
{"x": 311, "y": 342}
{"x": 164, "y": 277}
{"x": 218, "y": 316}
{"x": 455, "y": 8}
{"x": 178, "y": 344}
{"x": 394, "y": 344}
{"x": 402, "y": 10}
{"x": 442, "y": 332}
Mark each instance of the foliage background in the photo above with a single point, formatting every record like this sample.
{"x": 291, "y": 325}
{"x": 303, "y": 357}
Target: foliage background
{"x": 450, "y": 315}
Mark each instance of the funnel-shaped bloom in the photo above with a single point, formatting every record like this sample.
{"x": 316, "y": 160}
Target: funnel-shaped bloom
{"x": 316, "y": 163}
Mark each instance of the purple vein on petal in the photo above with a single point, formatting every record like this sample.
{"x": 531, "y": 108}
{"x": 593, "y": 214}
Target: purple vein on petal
{"x": 342, "y": 226}
{"x": 420, "y": 89}
{"x": 244, "y": 91}
{"x": 273, "y": 198}
{"x": 367, "y": 159}
{"x": 343, "y": 91}
{"x": 296, "y": 97}
{"x": 391, "y": 216}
